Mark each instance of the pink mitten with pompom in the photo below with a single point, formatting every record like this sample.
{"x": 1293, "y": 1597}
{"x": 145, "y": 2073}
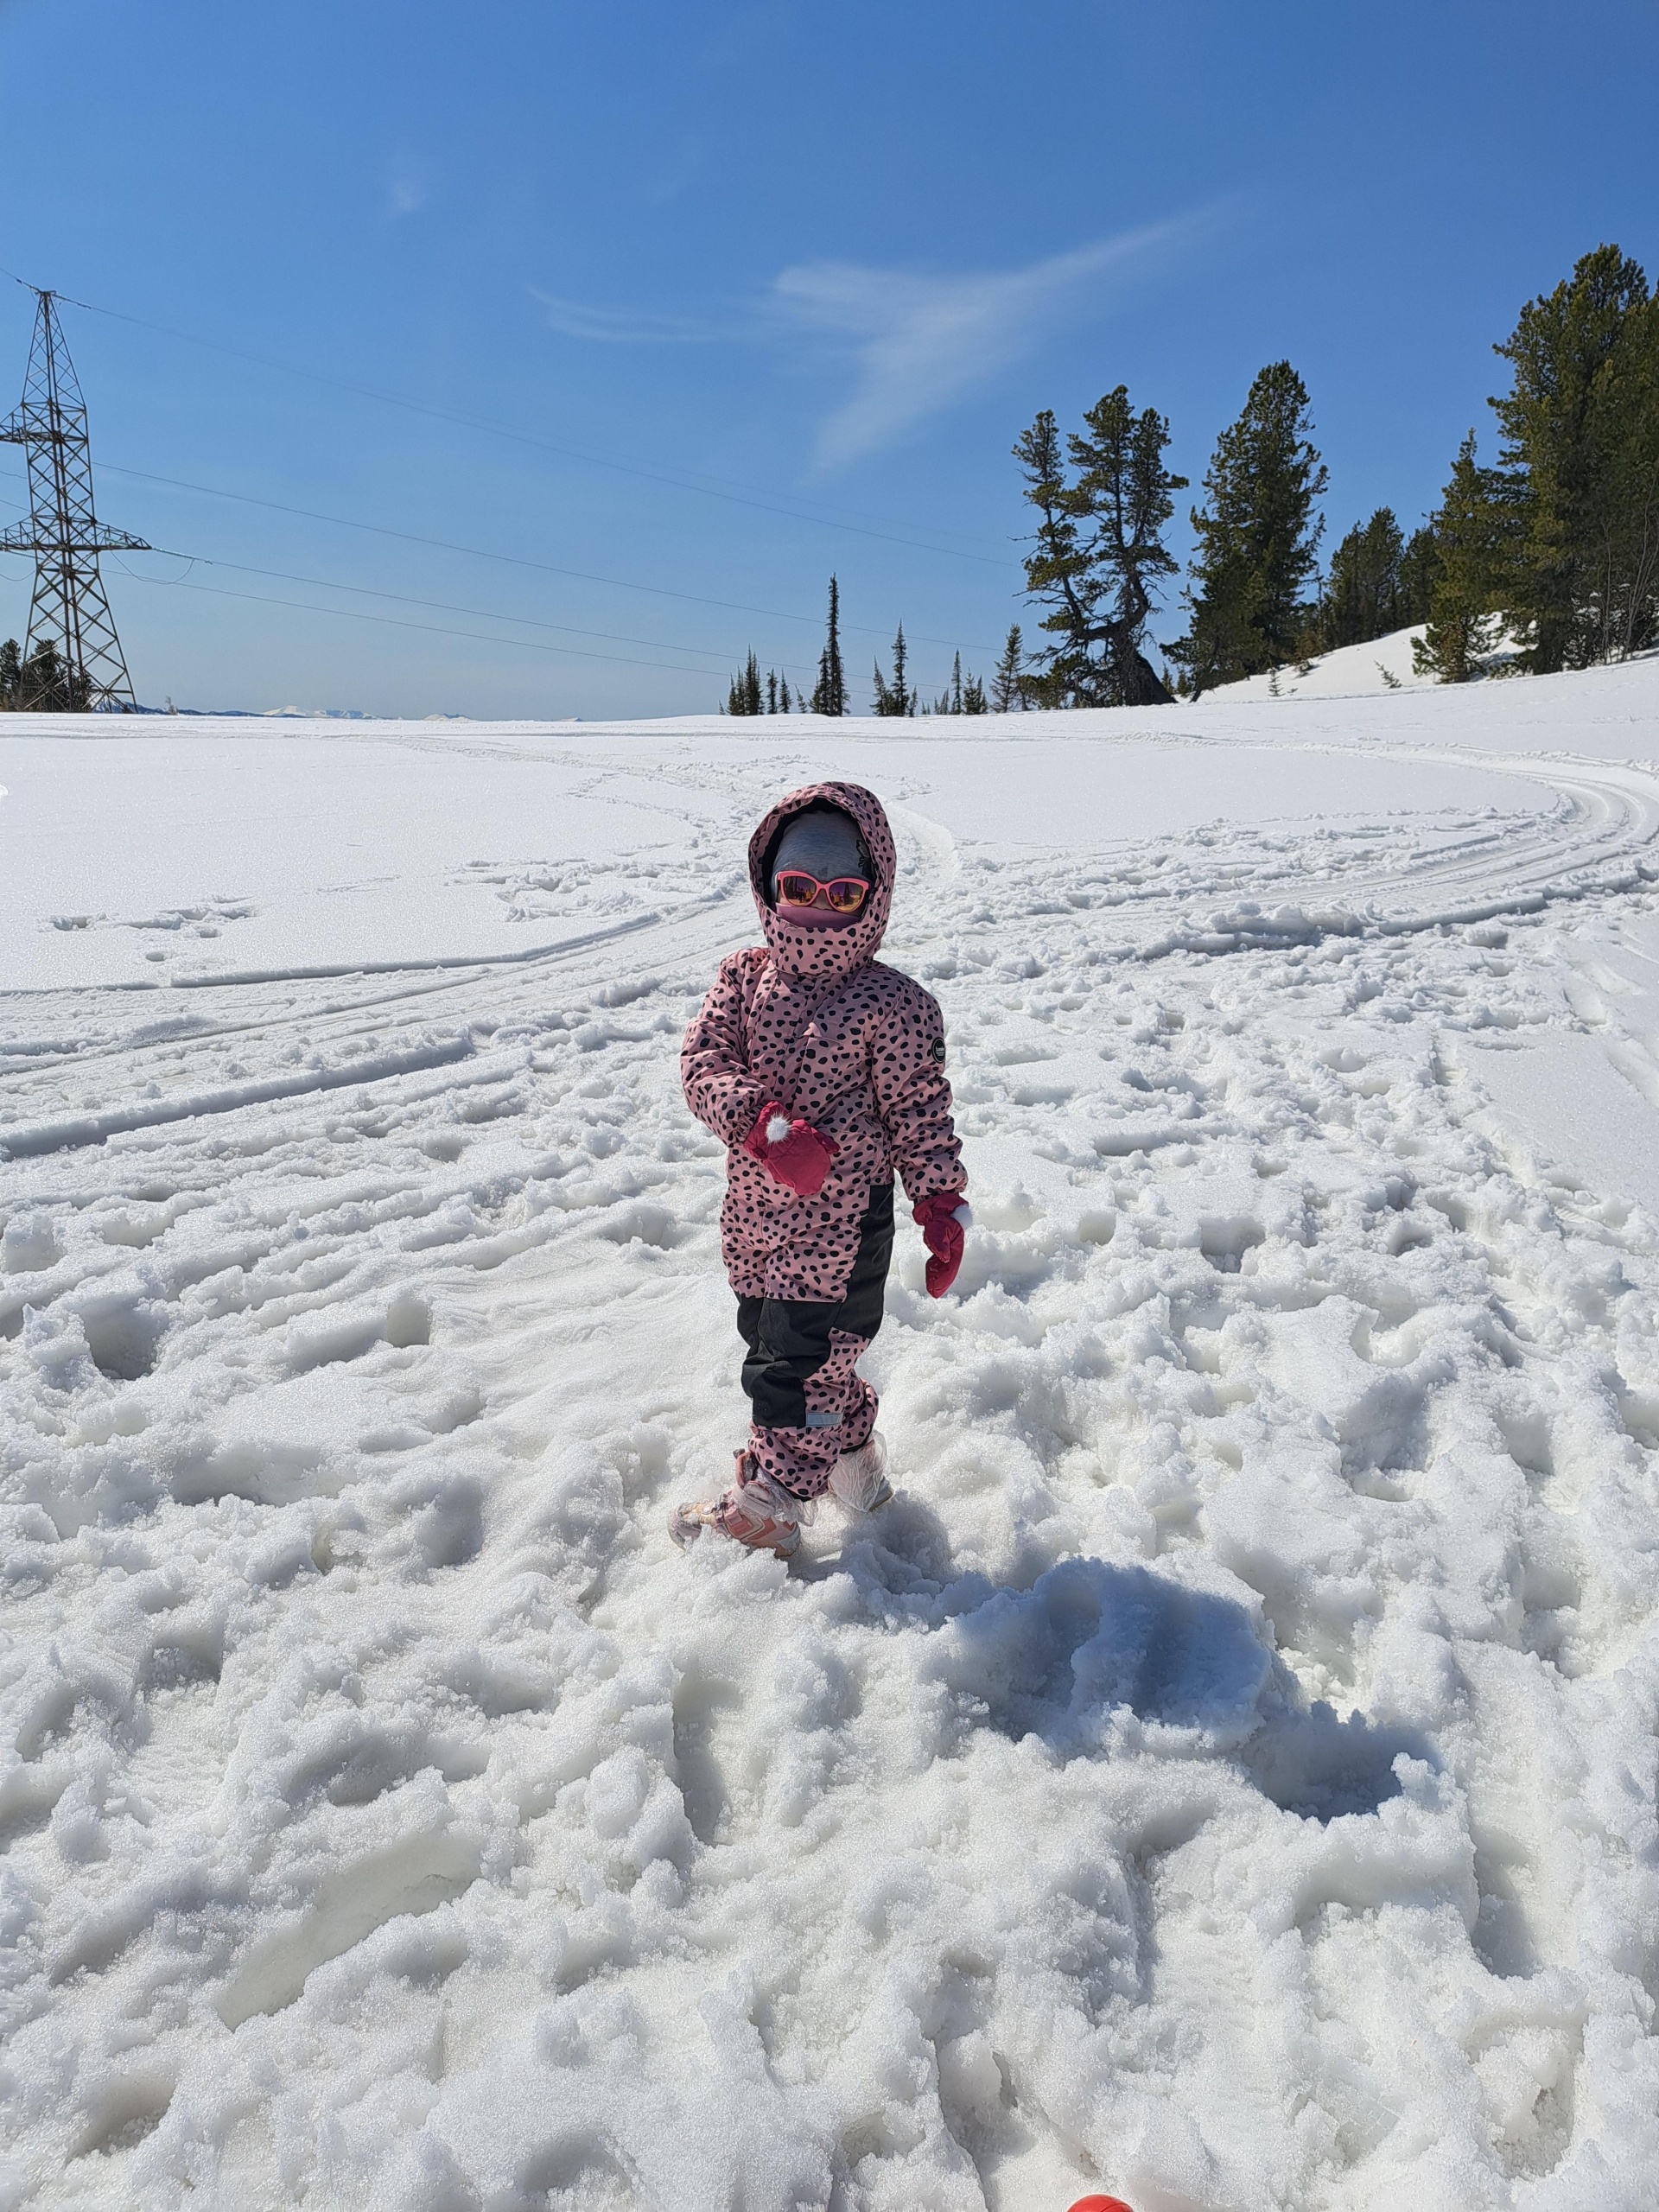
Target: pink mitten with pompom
{"x": 943, "y": 1220}
{"x": 792, "y": 1152}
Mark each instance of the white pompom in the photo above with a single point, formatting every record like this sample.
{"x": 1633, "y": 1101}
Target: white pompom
{"x": 964, "y": 1214}
{"x": 777, "y": 1130}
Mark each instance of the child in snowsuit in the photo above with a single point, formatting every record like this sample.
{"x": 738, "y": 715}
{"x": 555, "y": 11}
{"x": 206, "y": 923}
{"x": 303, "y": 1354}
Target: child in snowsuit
{"x": 822, "y": 1072}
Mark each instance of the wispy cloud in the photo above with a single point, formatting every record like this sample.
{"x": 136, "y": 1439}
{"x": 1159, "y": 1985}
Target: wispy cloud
{"x": 918, "y": 342}
{"x": 913, "y": 342}
{"x": 622, "y": 325}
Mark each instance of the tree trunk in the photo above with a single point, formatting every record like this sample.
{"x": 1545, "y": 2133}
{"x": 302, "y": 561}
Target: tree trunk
{"x": 1149, "y": 687}
{"x": 1138, "y": 682}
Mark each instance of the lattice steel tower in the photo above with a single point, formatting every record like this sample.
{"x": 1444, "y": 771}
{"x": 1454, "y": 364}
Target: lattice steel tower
{"x": 73, "y": 658}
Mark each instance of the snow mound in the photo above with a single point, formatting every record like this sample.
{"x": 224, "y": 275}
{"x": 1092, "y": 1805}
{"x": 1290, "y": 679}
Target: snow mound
{"x": 1385, "y": 663}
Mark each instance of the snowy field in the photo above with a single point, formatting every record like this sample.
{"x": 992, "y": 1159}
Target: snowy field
{"x": 1225, "y": 1775}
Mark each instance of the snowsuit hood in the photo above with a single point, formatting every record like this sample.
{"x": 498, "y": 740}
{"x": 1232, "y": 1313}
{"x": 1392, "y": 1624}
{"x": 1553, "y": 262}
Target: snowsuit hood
{"x": 830, "y": 954}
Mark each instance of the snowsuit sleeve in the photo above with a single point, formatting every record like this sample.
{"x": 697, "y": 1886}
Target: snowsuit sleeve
{"x": 913, "y": 1098}
{"x": 714, "y": 1060}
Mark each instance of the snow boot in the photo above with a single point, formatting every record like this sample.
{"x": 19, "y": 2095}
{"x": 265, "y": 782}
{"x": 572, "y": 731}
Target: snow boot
{"x": 755, "y": 1512}
{"x": 859, "y": 1479}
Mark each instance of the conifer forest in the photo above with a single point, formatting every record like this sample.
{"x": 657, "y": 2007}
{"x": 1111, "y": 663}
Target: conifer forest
{"x": 1543, "y": 557}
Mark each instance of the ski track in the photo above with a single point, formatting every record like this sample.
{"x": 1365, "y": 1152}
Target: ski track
{"x": 1225, "y": 1775}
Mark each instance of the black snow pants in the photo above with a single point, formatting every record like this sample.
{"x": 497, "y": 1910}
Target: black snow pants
{"x": 808, "y": 1404}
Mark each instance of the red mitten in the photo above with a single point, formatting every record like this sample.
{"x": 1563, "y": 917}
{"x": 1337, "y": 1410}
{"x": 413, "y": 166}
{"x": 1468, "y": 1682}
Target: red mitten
{"x": 792, "y": 1152}
{"x": 943, "y": 1219}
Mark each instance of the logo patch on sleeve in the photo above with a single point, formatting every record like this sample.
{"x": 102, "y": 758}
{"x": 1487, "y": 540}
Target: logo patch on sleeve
{"x": 938, "y": 1050}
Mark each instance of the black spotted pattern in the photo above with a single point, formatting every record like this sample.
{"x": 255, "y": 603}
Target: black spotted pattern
{"x": 812, "y": 1020}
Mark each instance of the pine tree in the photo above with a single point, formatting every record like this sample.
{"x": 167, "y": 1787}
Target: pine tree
{"x": 1099, "y": 550}
{"x": 46, "y": 686}
{"x": 1257, "y": 537}
{"x": 771, "y": 690}
{"x": 950, "y": 699}
{"x": 1581, "y": 423}
{"x": 829, "y": 694}
{"x": 897, "y": 697}
{"x": 1007, "y": 684}
{"x": 1419, "y": 566}
{"x": 11, "y": 669}
{"x": 1362, "y": 594}
{"x": 973, "y": 696}
{"x": 786, "y": 702}
{"x": 1477, "y": 527}
{"x": 745, "y": 696}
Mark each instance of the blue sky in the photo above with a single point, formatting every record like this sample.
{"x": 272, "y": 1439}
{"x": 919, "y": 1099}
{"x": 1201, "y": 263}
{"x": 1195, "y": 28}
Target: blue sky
{"x": 759, "y": 292}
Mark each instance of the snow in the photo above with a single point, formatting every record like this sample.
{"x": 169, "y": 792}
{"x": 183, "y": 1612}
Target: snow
{"x": 1225, "y": 1774}
{"x": 1381, "y": 664}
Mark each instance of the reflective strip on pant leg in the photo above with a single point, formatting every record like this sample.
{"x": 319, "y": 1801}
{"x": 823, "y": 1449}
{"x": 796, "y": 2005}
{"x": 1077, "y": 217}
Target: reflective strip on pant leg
{"x": 833, "y": 1391}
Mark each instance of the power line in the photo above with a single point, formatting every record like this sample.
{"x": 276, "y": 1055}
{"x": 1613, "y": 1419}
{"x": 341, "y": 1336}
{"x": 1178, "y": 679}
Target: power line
{"x": 519, "y": 560}
{"x": 401, "y": 622}
{"x": 437, "y": 605}
{"x": 433, "y": 629}
{"x": 528, "y": 438}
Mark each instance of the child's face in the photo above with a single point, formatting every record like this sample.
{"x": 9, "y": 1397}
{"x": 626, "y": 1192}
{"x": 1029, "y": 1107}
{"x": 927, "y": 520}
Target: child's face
{"x": 819, "y": 854}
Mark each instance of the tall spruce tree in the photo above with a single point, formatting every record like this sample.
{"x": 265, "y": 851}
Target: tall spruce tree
{"x": 1581, "y": 424}
{"x": 11, "y": 669}
{"x": 1099, "y": 550}
{"x": 1362, "y": 594}
{"x": 950, "y": 699}
{"x": 1420, "y": 566}
{"x": 829, "y": 693}
{"x": 1258, "y": 538}
{"x": 898, "y": 697}
{"x": 1478, "y": 527}
{"x": 1007, "y": 683}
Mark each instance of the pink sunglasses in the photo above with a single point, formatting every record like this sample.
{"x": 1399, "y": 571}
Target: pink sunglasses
{"x": 842, "y": 894}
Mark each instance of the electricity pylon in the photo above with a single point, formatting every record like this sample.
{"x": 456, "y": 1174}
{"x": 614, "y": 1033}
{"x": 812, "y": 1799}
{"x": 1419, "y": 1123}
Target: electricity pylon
{"x": 73, "y": 658}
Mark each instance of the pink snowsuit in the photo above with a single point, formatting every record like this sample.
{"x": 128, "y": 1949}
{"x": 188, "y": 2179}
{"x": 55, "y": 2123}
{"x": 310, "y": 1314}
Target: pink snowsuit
{"x": 814, "y": 1023}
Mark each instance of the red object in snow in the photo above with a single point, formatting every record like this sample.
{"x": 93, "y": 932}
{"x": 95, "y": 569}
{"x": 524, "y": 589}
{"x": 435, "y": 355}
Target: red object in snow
{"x": 942, "y": 1220}
{"x": 1100, "y": 2204}
{"x": 792, "y": 1152}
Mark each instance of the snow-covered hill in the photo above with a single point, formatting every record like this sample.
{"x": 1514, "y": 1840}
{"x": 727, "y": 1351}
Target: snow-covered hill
{"x": 1225, "y": 1775}
{"x": 1351, "y": 672}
